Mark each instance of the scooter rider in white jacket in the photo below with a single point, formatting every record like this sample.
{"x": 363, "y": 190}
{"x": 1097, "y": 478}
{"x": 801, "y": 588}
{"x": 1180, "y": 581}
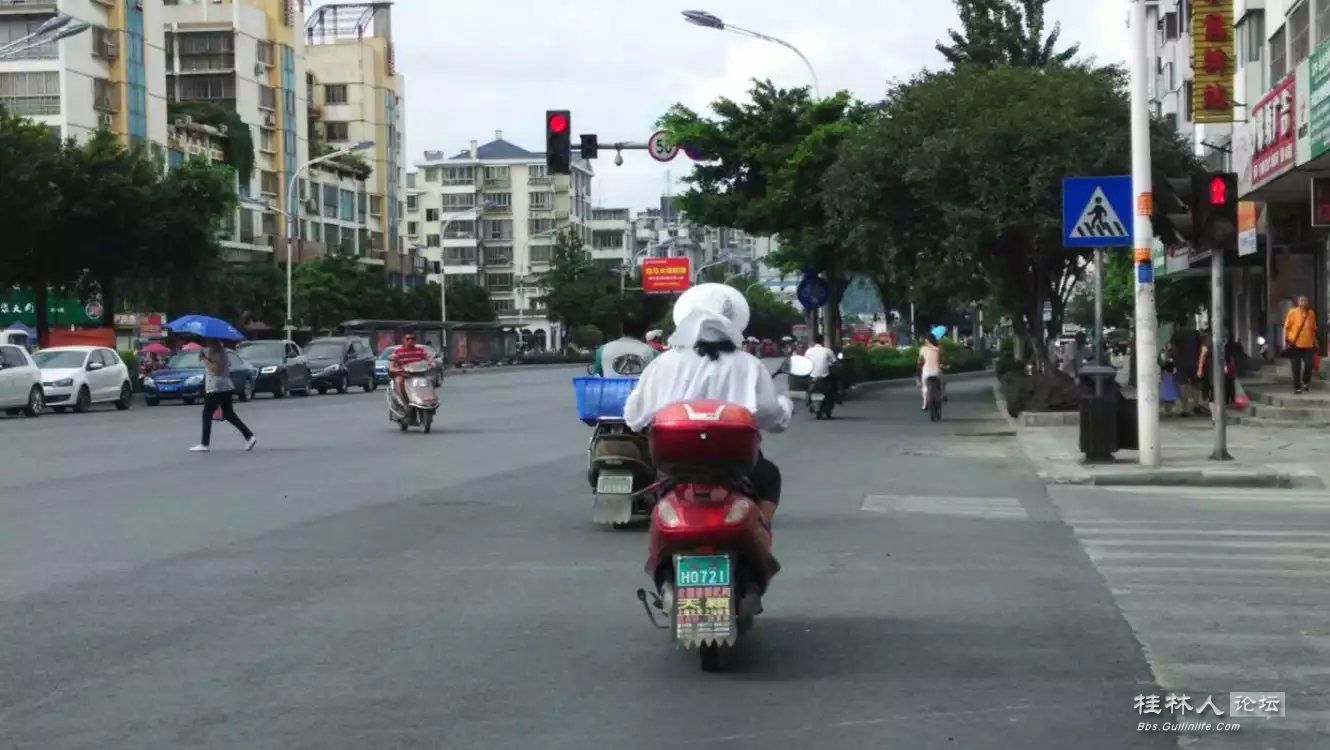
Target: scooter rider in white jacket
{"x": 704, "y": 362}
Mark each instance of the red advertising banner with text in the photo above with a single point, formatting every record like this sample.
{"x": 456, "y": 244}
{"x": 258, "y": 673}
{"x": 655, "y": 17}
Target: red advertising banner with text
{"x": 663, "y": 275}
{"x": 1274, "y": 133}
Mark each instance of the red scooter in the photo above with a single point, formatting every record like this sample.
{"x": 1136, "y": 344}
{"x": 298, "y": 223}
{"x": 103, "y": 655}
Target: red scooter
{"x": 710, "y": 553}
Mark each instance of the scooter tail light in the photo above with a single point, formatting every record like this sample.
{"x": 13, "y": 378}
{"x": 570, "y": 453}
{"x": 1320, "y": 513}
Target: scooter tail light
{"x": 667, "y": 513}
{"x": 739, "y": 511}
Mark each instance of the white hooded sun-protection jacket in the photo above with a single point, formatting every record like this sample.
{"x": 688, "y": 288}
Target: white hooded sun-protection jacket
{"x": 708, "y": 312}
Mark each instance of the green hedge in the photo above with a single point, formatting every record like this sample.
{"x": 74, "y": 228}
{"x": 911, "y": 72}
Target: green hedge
{"x": 886, "y": 363}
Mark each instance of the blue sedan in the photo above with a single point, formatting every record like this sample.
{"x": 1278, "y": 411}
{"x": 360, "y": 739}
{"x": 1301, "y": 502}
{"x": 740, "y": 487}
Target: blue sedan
{"x": 182, "y": 378}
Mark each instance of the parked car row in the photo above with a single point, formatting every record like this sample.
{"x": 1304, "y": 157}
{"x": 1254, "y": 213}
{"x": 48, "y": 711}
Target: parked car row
{"x": 77, "y": 377}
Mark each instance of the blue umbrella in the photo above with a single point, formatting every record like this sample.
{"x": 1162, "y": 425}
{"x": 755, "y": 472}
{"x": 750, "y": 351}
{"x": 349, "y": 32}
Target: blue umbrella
{"x": 206, "y": 327}
{"x": 939, "y": 331}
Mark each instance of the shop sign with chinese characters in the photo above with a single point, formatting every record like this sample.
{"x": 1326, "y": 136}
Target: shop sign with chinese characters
{"x": 1212, "y": 60}
{"x": 1320, "y": 100}
{"x": 1274, "y": 133}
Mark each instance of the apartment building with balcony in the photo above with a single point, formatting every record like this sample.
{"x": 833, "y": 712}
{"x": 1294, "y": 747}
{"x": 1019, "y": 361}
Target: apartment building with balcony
{"x": 111, "y": 75}
{"x": 246, "y": 56}
{"x": 613, "y": 237}
{"x": 489, "y": 214}
{"x": 355, "y": 94}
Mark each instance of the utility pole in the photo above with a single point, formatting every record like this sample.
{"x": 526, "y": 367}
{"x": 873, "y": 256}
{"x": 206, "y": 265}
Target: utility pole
{"x": 1217, "y": 340}
{"x": 1099, "y": 306}
{"x": 1147, "y": 347}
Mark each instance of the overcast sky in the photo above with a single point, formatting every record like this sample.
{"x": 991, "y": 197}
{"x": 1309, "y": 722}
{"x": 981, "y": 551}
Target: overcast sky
{"x": 476, "y": 67}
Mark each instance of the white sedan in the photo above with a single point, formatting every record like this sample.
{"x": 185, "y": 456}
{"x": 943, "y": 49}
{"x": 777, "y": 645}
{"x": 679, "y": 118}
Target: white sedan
{"x": 81, "y": 376}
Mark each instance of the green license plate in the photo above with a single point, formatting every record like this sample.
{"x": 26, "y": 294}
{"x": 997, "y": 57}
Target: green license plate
{"x": 709, "y": 570}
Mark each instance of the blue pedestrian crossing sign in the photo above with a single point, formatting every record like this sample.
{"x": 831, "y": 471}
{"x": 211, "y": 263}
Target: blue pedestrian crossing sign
{"x": 1096, "y": 211}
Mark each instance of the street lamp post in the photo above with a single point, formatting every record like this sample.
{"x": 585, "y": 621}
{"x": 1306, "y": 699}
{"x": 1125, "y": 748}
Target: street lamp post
{"x": 63, "y": 26}
{"x": 295, "y": 212}
{"x": 710, "y": 21}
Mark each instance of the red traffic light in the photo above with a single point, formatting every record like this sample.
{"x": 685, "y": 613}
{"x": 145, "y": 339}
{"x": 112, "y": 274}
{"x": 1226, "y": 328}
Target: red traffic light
{"x": 1218, "y": 191}
{"x": 558, "y": 122}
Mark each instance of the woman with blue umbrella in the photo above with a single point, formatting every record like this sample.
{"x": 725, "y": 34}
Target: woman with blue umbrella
{"x": 218, "y": 390}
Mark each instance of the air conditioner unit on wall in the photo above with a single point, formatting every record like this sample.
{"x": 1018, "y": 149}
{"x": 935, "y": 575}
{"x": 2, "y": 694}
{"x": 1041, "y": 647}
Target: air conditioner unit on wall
{"x": 104, "y": 119}
{"x": 269, "y": 120}
{"x": 260, "y": 69}
{"x": 312, "y": 205}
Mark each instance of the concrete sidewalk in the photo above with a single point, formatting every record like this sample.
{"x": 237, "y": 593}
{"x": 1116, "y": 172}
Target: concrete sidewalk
{"x": 1263, "y": 456}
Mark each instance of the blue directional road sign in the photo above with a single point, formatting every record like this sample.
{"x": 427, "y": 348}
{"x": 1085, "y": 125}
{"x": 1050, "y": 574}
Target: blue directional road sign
{"x": 1096, "y": 211}
{"x": 813, "y": 292}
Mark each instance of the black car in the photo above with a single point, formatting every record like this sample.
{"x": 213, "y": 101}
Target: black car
{"x": 340, "y": 362}
{"x": 282, "y": 367}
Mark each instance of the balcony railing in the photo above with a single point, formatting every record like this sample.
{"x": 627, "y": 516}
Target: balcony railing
{"x": 497, "y": 182}
{"x": 28, "y": 5}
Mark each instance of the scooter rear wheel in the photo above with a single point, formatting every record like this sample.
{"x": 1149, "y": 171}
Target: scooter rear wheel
{"x": 710, "y": 657}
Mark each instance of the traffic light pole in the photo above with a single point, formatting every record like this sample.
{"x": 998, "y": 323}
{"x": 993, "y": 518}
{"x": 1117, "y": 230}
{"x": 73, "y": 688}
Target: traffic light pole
{"x": 1147, "y": 323}
{"x": 1218, "y": 337}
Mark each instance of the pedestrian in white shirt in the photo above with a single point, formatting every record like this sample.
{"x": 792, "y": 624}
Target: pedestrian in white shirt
{"x": 823, "y": 377}
{"x": 704, "y": 362}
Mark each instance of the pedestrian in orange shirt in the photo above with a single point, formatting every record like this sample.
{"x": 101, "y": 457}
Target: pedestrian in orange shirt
{"x": 1300, "y": 343}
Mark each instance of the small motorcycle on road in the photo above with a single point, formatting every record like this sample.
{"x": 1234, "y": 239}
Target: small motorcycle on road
{"x": 421, "y": 400}
{"x": 710, "y": 557}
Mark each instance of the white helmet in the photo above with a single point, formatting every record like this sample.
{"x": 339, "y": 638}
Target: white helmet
{"x": 709, "y": 312}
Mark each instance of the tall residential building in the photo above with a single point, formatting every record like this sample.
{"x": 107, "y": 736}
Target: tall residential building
{"x": 246, "y": 56}
{"x": 612, "y": 238}
{"x": 356, "y": 94}
{"x": 490, "y": 214}
{"x": 111, "y": 75}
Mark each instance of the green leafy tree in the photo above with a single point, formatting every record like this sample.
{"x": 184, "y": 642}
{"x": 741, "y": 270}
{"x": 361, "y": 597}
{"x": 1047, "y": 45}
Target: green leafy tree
{"x": 578, "y": 292}
{"x": 325, "y": 291}
{"x": 769, "y": 317}
{"x": 1005, "y": 32}
{"x": 961, "y": 176}
{"x": 467, "y": 302}
{"x": 184, "y": 216}
{"x": 766, "y": 158}
{"x": 246, "y": 293}
{"x": 31, "y": 161}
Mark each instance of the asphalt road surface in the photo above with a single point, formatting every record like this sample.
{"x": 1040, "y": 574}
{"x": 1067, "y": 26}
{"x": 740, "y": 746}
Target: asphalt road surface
{"x": 349, "y": 586}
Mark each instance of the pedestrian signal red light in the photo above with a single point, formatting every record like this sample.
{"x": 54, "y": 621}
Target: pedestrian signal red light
{"x": 1218, "y": 191}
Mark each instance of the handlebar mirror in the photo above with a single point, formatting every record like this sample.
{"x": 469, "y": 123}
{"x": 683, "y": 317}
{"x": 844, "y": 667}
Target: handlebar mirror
{"x": 800, "y": 366}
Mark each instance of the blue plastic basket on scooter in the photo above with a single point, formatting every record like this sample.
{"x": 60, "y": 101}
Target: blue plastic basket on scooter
{"x": 601, "y": 397}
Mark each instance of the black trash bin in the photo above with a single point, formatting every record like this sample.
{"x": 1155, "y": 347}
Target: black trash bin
{"x": 1099, "y": 412}
{"x": 1128, "y": 425}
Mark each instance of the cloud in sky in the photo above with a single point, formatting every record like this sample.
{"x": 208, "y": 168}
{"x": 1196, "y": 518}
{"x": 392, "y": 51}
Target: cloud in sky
{"x": 474, "y": 68}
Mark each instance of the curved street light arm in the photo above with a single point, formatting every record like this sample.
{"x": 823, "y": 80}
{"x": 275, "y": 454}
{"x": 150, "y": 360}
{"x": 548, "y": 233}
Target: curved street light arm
{"x": 766, "y": 38}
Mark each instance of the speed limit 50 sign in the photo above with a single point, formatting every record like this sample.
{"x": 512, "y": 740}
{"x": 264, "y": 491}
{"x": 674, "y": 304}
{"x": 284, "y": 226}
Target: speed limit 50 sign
{"x": 660, "y": 148}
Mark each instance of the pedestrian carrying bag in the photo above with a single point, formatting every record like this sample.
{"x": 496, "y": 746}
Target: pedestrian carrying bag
{"x": 1240, "y": 398}
{"x": 1288, "y": 350}
{"x": 217, "y": 414}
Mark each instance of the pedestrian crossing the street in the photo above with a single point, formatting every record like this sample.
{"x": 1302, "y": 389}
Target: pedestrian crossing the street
{"x": 1224, "y": 589}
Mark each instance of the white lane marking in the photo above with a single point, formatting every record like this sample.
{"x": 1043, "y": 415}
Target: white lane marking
{"x": 1007, "y": 508}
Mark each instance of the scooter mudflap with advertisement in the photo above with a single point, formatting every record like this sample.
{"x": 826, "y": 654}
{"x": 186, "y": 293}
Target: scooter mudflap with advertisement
{"x": 704, "y": 601}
